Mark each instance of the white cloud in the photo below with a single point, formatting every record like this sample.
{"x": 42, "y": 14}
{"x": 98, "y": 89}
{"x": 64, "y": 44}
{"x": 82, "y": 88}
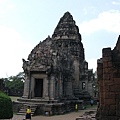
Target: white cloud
{"x": 109, "y": 21}
{"x": 92, "y": 64}
{"x": 2, "y": 1}
{"x": 5, "y": 7}
{"x": 85, "y": 11}
{"x": 116, "y": 3}
{"x": 12, "y": 49}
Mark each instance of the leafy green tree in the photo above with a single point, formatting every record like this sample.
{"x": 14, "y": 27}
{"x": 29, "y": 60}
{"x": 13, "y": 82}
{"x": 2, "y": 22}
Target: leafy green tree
{"x": 15, "y": 84}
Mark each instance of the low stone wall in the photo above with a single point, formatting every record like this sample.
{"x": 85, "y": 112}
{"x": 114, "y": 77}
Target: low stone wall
{"x": 58, "y": 108}
{"x": 51, "y": 108}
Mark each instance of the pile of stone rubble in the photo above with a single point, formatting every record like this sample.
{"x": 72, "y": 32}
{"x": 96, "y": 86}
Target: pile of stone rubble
{"x": 90, "y": 115}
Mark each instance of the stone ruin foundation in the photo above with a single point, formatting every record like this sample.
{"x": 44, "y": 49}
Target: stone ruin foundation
{"x": 109, "y": 84}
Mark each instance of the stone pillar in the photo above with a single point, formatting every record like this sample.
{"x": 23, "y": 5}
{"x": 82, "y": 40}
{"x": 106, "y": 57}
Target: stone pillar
{"x": 60, "y": 88}
{"x": 56, "y": 89}
{"x": 100, "y": 86}
{"x": 32, "y": 86}
{"x": 52, "y": 87}
{"x": 76, "y": 74}
{"x": 26, "y": 87}
{"x": 108, "y": 95}
{"x": 69, "y": 88}
{"x": 45, "y": 88}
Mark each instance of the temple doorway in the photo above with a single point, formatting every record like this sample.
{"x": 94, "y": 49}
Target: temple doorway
{"x": 38, "y": 87}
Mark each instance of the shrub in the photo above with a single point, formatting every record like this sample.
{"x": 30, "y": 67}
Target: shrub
{"x": 6, "y": 109}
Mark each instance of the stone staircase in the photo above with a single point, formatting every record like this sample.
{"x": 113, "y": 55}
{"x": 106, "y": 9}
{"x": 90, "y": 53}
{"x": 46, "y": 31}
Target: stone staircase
{"x": 22, "y": 111}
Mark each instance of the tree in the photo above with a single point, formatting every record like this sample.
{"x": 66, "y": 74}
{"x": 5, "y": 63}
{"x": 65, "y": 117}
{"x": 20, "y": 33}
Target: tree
{"x": 15, "y": 84}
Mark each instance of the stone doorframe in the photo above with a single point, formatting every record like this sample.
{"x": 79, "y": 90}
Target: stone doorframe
{"x": 45, "y": 85}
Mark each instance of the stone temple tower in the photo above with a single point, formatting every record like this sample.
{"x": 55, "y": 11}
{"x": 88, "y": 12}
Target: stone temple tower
{"x": 70, "y": 52}
{"x": 56, "y": 67}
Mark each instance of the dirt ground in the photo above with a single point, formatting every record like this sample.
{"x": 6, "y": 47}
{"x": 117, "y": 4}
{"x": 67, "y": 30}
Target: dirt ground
{"x": 68, "y": 116}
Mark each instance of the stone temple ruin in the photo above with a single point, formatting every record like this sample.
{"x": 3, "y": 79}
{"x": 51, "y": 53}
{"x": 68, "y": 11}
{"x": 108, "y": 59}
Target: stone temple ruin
{"x": 56, "y": 73}
{"x": 109, "y": 84}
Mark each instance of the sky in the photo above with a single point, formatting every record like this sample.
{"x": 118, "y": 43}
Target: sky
{"x": 24, "y": 23}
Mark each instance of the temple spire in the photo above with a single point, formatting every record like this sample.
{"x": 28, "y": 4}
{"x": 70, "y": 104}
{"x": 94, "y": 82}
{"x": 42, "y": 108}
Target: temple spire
{"x": 66, "y": 29}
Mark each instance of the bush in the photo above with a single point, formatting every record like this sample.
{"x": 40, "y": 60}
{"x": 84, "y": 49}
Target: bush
{"x": 6, "y": 109}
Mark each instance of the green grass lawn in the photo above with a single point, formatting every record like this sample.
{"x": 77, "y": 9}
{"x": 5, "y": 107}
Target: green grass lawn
{"x": 14, "y": 98}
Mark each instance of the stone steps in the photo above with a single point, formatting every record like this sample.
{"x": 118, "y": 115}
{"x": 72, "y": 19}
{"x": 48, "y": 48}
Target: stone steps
{"x": 22, "y": 111}
{"x": 36, "y": 100}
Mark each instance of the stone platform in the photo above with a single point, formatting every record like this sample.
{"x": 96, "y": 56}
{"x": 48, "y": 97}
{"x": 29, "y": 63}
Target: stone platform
{"x": 46, "y": 107}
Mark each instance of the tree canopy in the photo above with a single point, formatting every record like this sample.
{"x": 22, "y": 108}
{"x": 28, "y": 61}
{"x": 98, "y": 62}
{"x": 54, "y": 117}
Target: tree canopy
{"x": 15, "y": 84}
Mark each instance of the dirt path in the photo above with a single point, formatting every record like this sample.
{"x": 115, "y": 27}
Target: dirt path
{"x": 69, "y": 116}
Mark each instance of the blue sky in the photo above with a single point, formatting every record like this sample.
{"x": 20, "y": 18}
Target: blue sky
{"x": 24, "y": 23}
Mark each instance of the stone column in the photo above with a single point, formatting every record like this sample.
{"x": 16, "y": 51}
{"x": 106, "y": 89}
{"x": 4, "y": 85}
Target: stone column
{"x": 56, "y": 89}
{"x": 26, "y": 87}
{"x": 69, "y": 88}
{"x": 100, "y": 86}
{"x": 52, "y": 87}
{"x": 76, "y": 74}
{"x": 45, "y": 88}
{"x": 32, "y": 87}
{"x": 60, "y": 88}
{"x": 107, "y": 82}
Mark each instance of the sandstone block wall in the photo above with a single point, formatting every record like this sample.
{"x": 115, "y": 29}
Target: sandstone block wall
{"x": 108, "y": 71}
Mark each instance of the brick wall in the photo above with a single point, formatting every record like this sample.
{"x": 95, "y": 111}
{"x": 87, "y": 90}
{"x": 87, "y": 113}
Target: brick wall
{"x": 108, "y": 71}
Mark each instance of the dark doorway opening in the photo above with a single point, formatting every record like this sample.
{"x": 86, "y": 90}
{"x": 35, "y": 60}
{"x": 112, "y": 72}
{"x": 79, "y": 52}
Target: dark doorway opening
{"x": 38, "y": 87}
